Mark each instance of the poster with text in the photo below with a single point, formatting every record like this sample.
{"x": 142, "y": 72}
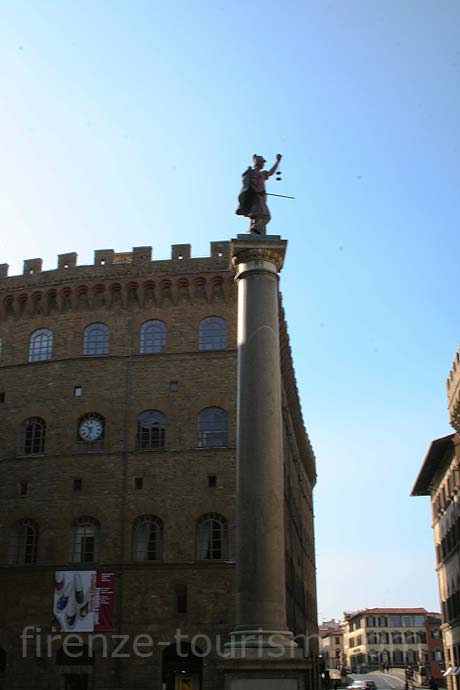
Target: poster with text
{"x": 83, "y": 600}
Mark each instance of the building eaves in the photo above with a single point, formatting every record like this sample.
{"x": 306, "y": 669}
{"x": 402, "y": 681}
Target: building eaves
{"x": 433, "y": 460}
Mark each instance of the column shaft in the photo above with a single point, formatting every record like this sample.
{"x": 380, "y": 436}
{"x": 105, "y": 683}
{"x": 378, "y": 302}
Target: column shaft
{"x": 261, "y": 598}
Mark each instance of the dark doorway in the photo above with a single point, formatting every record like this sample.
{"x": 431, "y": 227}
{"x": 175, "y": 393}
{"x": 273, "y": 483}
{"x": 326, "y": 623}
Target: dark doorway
{"x": 182, "y": 669}
{"x": 73, "y": 678}
{"x": 76, "y": 681}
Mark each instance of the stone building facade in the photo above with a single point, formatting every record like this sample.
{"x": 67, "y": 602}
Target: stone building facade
{"x": 439, "y": 478}
{"x": 394, "y": 637}
{"x": 331, "y": 646}
{"x": 117, "y": 460}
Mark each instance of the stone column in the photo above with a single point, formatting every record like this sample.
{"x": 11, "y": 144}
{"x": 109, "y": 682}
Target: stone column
{"x": 261, "y": 603}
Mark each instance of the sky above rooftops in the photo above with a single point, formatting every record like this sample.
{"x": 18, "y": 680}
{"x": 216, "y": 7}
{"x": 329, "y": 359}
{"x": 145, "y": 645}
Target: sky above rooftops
{"x": 128, "y": 124}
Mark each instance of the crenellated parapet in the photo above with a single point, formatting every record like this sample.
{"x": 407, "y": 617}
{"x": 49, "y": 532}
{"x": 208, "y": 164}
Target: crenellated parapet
{"x": 453, "y": 392}
{"x": 107, "y": 258}
{"x": 117, "y": 281}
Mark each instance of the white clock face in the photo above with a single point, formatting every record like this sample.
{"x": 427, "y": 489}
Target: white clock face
{"x": 91, "y": 429}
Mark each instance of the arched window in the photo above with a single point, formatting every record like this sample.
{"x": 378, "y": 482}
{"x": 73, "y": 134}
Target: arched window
{"x": 213, "y": 333}
{"x": 148, "y": 539}
{"x": 96, "y": 340}
{"x": 213, "y": 428}
{"x": 212, "y": 539}
{"x": 91, "y": 432}
{"x": 41, "y": 345}
{"x": 23, "y": 546}
{"x": 33, "y": 436}
{"x": 151, "y": 430}
{"x": 153, "y": 337}
{"x": 85, "y": 540}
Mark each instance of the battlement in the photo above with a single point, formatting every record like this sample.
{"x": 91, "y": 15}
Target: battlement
{"x": 453, "y": 391}
{"x": 108, "y": 257}
{"x": 117, "y": 279}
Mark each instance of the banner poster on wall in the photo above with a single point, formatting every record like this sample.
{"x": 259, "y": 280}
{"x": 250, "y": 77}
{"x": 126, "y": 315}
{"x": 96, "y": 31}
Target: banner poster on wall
{"x": 83, "y": 600}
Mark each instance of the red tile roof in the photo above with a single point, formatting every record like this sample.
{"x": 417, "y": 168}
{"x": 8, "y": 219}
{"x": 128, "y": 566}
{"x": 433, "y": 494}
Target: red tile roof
{"x": 393, "y": 611}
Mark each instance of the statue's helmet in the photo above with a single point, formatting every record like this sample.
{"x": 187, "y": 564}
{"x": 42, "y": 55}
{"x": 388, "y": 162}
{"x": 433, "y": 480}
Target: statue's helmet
{"x": 258, "y": 159}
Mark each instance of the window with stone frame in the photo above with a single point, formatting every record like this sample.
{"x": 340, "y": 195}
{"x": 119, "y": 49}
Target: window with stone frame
{"x": 23, "y": 544}
{"x": 33, "y": 434}
{"x": 147, "y": 539}
{"x": 213, "y": 428}
{"x": 153, "y": 337}
{"x": 96, "y": 340}
{"x": 212, "y": 537}
{"x": 213, "y": 333}
{"x": 398, "y": 657}
{"x": 85, "y": 540}
{"x": 151, "y": 430}
{"x": 41, "y": 345}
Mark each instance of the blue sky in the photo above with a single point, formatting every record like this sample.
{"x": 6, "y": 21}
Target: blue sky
{"x": 129, "y": 123}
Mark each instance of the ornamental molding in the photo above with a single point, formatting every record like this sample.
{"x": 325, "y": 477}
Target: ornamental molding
{"x": 258, "y": 255}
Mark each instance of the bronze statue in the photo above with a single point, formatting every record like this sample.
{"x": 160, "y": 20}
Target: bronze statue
{"x": 252, "y": 201}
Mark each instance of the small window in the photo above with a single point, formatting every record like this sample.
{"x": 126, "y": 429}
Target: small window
{"x": 138, "y": 483}
{"x": 85, "y": 540}
{"x": 181, "y": 598}
{"x": 23, "y": 488}
{"x": 213, "y": 333}
{"x": 77, "y": 485}
{"x": 78, "y": 391}
{"x": 151, "y": 430}
{"x": 153, "y": 337}
{"x": 212, "y": 537}
{"x": 174, "y": 386}
{"x": 33, "y": 436}
{"x": 41, "y": 345}
{"x": 96, "y": 340}
{"x": 2, "y": 397}
{"x": 213, "y": 428}
{"x": 24, "y": 539}
{"x": 212, "y": 480}
{"x": 147, "y": 539}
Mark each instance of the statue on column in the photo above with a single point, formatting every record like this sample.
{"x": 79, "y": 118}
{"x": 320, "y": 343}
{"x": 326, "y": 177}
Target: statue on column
{"x": 252, "y": 201}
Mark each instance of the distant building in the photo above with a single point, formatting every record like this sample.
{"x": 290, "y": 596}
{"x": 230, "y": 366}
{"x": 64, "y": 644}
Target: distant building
{"x": 439, "y": 478}
{"x": 392, "y": 638}
{"x": 331, "y": 643}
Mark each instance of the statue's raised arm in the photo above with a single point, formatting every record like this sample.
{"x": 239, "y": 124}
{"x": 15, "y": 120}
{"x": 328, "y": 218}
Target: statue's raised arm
{"x": 253, "y": 197}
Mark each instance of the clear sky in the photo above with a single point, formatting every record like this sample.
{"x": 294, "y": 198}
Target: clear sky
{"x": 129, "y": 123}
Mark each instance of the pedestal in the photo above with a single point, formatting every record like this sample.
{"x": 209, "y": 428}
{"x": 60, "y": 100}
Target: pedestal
{"x": 260, "y": 670}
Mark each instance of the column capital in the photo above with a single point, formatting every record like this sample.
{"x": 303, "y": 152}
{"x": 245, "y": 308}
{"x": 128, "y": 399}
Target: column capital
{"x": 258, "y": 248}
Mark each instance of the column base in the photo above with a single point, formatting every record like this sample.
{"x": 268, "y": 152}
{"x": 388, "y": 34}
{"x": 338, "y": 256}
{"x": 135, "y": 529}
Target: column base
{"x": 257, "y": 670}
